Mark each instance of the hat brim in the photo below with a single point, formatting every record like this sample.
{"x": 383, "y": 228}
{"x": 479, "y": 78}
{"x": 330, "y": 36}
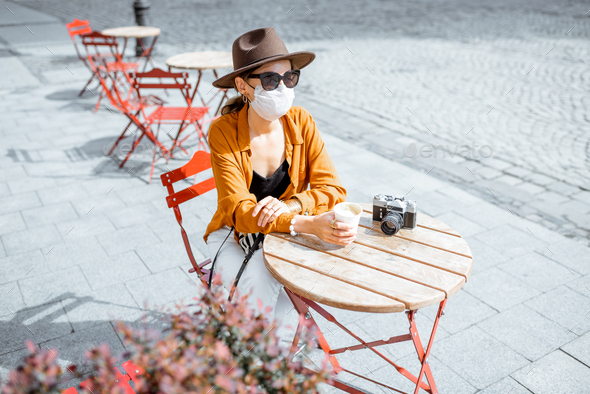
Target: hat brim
{"x": 298, "y": 59}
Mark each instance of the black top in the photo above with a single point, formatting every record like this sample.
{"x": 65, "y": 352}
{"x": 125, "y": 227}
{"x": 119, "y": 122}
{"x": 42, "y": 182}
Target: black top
{"x": 275, "y": 185}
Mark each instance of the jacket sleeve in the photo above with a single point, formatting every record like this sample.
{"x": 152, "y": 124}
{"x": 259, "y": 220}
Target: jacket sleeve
{"x": 325, "y": 188}
{"x": 233, "y": 197}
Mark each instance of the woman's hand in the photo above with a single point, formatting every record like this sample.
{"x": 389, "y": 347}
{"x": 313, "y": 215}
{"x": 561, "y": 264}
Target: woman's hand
{"x": 269, "y": 208}
{"x": 341, "y": 234}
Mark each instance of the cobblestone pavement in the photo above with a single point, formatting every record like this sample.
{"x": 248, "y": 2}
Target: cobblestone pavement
{"x": 500, "y": 87}
{"x": 84, "y": 243}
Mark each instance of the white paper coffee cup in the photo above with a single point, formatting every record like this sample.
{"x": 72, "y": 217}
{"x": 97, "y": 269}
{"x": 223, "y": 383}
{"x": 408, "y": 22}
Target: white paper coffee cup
{"x": 348, "y": 212}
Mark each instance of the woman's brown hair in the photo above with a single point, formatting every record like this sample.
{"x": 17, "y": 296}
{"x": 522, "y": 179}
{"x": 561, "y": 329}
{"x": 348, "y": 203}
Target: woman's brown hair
{"x": 235, "y": 103}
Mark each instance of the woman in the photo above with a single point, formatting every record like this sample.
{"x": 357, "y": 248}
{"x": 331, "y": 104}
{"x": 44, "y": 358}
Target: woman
{"x": 264, "y": 155}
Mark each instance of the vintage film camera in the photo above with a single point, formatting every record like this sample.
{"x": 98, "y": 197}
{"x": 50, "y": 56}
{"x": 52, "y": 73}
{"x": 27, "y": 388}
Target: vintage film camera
{"x": 394, "y": 213}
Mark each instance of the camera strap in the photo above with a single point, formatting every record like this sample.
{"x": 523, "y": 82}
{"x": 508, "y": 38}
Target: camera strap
{"x": 251, "y": 250}
{"x": 215, "y": 259}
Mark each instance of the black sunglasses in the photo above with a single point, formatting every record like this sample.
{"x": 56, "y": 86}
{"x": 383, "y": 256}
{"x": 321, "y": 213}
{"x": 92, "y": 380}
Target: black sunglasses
{"x": 271, "y": 80}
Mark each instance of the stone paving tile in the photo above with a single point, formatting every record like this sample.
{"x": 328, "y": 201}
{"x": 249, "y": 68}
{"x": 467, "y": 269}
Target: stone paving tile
{"x": 149, "y": 193}
{"x": 11, "y": 300}
{"x": 505, "y": 386}
{"x": 386, "y": 325}
{"x": 530, "y": 188}
{"x": 581, "y": 285}
{"x": 484, "y": 256}
{"x": 583, "y": 196}
{"x": 479, "y": 358}
{"x": 540, "y": 179}
{"x": 526, "y": 331}
{"x": 16, "y": 203}
{"x": 156, "y": 289}
{"x": 464, "y": 226}
{"x": 2, "y": 251}
{"x": 462, "y": 311}
{"x": 49, "y": 214}
{"x": 446, "y": 380}
{"x": 551, "y": 197}
{"x": 133, "y": 215}
{"x": 12, "y": 172}
{"x": 117, "y": 269}
{"x": 510, "y": 239}
{"x": 97, "y": 204}
{"x": 62, "y": 193}
{"x": 499, "y": 289}
{"x": 37, "y": 324}
{"x": 546, "y": 376}
{"x": 4, "y": 191}
{"x": 487, "y": 215}
{"x": 11, "y": 222}
{"x": 76, "y": 251}
{"x": 161, "y": 256}
{"x": 563, "y": 188}
{"x": 579, "y": 349}
{"x": 564, "y": 306}
{"x": 167, "y": 229}
{"x": 24, "y": 185}
{"x": 54, "y": 286}
{"x": 43, "y": 237}
{"x": 571, "y": 254}
{"x": 510, "y": 180}
{"x": 538, "y": 272}
{"x": 99, "y": 306}
{"x": 70, "y": 348}
{"x": 127, "y": 239}
{"x": 15, "y": 267}
{"x": 85, "y": 227}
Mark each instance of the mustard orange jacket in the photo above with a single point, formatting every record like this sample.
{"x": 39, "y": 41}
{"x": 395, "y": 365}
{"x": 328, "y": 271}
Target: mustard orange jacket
{"x": 309, "y": 165}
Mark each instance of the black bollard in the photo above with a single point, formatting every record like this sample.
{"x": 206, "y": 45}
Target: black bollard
{"x": 142, "y": 11}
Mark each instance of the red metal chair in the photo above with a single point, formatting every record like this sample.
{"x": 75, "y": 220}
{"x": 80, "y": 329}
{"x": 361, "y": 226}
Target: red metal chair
{"x": 131, "y": 107}
{"x": 182, "y": 116}
{"x": 201, "y": 161}
{"x": 99, "y": 49}
{"x": 75, "y": 29}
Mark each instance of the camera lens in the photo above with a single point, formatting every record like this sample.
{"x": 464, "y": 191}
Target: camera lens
{"x": 391, "y": 223}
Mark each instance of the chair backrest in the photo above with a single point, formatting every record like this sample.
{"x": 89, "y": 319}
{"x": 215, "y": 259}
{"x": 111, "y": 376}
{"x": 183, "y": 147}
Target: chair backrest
{"x": 98, "y": 45}
{"x": 160, "y": 79}
{"x": 77, "y": 28}
{"x": 201, "y": 161}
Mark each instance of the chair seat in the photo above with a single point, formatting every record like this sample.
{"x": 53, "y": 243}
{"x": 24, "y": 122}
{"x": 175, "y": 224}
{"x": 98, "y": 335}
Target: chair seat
{"x": 165, "y": 114}
{"x": 121, "y": 66}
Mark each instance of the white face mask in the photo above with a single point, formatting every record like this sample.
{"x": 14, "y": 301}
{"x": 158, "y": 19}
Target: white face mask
{"x": 272, "y": 104}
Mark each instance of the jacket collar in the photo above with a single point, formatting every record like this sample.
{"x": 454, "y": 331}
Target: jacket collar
{"x": 293, "y": 134}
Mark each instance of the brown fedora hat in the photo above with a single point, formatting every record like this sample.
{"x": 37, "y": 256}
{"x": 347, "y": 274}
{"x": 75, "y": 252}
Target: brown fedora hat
{"x": 258, "y": 47}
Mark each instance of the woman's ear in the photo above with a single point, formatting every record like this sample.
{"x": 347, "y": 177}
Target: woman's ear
{"x": 240, "y": 85}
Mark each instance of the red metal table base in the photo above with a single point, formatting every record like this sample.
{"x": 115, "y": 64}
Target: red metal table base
{"x": 302, "y": 306}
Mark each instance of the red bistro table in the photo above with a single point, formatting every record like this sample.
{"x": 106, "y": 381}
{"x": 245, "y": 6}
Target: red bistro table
{"x": 138, "y": 32}
{"x": 378, "y": 274}
{"x": 200, "y": 61}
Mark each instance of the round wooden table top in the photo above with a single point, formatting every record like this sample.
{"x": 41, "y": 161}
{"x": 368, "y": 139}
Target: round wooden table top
{"x": 132, "y": 31}
{"x": 377, "y": 272}
{"x": 201, "y": 60}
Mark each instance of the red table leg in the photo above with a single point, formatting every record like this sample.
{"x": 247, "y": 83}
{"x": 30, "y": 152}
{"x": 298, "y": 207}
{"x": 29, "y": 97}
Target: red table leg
{"x": 303, "y": 305}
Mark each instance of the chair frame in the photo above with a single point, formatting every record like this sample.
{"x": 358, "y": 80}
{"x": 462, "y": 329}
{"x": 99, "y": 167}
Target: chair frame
{"x": 170, "y": 114}
{"x": 96, "y": 59}
{"x": 79, "y": 28}
{"x": 201, "y": 161}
